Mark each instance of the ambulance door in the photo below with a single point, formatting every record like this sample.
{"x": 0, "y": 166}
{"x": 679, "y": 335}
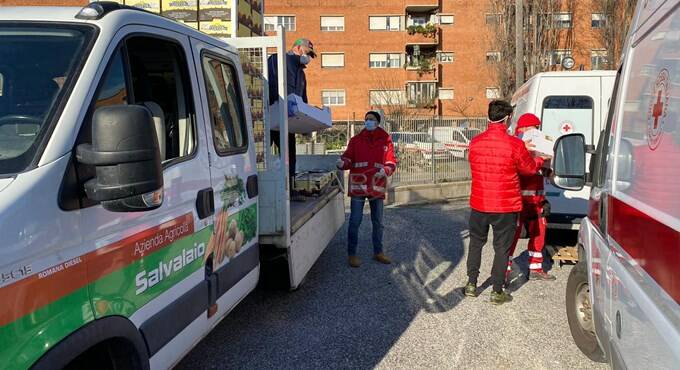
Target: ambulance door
{"x": 233, "y": 173}
{"x": 149, "y": 266}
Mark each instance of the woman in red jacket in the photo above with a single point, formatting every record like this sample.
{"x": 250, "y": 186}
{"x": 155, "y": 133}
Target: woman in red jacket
{"x": 496, "y": 161}
{"x": 370, "y": 160}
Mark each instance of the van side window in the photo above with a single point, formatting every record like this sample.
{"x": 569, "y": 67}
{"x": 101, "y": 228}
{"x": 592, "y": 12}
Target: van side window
{"x": 567, "y": 115}
{"x": 230, "y": 132}
{"x": 113, "y": 90}
{"x": 160, "y": 82}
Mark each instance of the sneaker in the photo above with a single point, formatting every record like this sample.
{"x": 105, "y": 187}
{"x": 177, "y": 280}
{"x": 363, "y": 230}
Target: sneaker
{"x": 354, "y": 261}
{"x": 500, "y": 298}
{"x": 382, "y": 258}
{"x": 541, "y": 275}
{"x": 470, "y": 290}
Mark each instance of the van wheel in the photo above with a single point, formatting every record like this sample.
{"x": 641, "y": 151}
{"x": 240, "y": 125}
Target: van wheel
{"x": 580, "y": 313}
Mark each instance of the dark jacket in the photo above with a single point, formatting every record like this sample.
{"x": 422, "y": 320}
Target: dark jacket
{"x": 496, "y": 162}
{"x": 296, "y": 79}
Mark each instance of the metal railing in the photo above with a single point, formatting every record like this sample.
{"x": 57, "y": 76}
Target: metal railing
{"x": 428, "y": 149}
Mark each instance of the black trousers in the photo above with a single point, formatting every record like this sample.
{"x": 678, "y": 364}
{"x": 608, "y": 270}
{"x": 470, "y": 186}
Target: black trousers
{"x": 504, "y": 227}
{"x": 275, "y": 135}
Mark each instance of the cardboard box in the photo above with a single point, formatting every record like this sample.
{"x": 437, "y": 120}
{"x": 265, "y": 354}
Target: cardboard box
{"x": 544, "y": 144}
{"x": 302, "y": 117}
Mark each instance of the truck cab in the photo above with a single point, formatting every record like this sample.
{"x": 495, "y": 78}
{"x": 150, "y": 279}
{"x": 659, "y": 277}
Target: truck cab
{"x": 134, "y": 209}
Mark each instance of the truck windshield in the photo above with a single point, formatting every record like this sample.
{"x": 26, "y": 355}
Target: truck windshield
{"x": 37, "y": 63}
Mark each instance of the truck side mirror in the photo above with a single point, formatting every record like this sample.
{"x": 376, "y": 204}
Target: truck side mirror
{"x": 126, "y": 157}
{"x": 569, "y": 162}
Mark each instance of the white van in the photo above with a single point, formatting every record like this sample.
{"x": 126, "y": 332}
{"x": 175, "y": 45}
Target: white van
{"x": 623, "y": 297}
{"x": 566, "y": 102}
{"x": 133, "y": 212}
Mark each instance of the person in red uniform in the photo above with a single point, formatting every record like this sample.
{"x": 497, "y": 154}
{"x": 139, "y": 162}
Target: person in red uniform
{"x": 496, "y": 161}
{"x": 534, "y": 209}
{"x": 370, "y": 160}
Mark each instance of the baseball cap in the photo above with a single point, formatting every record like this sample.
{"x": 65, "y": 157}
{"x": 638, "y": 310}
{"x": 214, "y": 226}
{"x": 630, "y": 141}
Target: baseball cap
{"x": 306, "y": 43}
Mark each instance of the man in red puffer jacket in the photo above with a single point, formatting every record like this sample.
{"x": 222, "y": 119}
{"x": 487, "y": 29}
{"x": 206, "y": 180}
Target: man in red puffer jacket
{"x": 533, "y": 211}
{"x": 496, "y": 161}
{"x": 370, "y": 160}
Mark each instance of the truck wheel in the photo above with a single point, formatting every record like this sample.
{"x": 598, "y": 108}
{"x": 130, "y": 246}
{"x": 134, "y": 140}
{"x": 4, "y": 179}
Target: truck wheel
{"x": 580, "y": 313}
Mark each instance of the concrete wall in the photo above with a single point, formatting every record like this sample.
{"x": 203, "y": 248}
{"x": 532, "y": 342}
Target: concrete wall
{"x": 428, "y": 193}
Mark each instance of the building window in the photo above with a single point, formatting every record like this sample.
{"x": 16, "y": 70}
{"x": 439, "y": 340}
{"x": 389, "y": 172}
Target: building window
{"x": 598, "y": 20}
{"x": 561, "y": 20}
{"x": 385, "y": 97}
{"x": 417, "y": 20}
{"x": 384, "y": 60}
{"x": 445, "y": 94}
{"x": 332, "y": 60}
{"x": 384, "y": 23}
{"x": 420, "y": 93}
{"x": 287, "y": 21}
{"x": 446, "y": 20}
{"x": 493, "y": 56}
{"x": 493, "y": 19}
{"x": 333, "y": 24}
{"x": 493, "y": 93}
{"x": 556, "y": 56}
{"x": 333, "y": 97}
{"x": 598, "y": 60}
{"x": 445, "y": 57}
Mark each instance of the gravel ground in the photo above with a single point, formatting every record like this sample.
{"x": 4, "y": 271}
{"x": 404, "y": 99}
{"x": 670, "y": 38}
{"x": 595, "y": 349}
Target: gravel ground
{"x": 407, "y": 315}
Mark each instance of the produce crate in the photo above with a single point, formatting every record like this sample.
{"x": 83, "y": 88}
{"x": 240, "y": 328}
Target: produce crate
{"x": 313, "y": 182}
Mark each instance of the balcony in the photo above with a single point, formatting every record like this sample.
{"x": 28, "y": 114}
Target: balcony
{"x": 422, "y": 5}
{"x": 422, "y": 69}
{"x": 422, "y": 35}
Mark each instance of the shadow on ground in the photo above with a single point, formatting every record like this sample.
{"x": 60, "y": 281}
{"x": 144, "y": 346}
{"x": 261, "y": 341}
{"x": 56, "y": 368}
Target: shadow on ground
{"x": 343, "y": 317}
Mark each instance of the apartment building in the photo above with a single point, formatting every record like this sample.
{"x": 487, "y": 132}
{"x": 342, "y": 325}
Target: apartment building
{"x": 432, "y": 56}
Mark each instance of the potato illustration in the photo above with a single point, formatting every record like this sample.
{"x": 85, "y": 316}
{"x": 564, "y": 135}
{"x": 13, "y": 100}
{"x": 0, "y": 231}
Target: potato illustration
{"x": 232, "y": 229}
{"x": 239, "y": 241}
{"x": 231, "y": 248}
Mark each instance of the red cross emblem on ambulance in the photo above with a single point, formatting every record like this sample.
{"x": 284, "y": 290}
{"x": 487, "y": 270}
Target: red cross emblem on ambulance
{"x": 567, "y": 128}
{"x": 658, "y": 106}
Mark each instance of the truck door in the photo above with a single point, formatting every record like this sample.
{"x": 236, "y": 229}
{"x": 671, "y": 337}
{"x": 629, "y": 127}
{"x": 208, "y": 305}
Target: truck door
{"x": 233, "y": 168}
{"x": 140, "y": 264}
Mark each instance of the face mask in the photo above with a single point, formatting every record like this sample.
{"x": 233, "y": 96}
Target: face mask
{"x": 370, "y": 125}
{"x": 305, "y": 59}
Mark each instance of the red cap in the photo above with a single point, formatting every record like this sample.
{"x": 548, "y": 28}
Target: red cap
{"x": 528, "y": 120}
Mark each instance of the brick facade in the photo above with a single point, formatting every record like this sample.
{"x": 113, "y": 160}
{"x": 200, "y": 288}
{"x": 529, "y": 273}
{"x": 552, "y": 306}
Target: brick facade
{"x": 468, "y": 38}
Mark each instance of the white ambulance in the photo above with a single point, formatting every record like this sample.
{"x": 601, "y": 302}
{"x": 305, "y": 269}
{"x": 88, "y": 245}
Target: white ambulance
{"x": 134, "y": 214}
{"x": 623, "y": 297}
{"x": 566, "y": 102}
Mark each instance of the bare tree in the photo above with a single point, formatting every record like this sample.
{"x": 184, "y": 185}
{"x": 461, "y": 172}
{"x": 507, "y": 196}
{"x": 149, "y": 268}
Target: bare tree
{"x": 547, "y": 29}
{"x": 462, "y": 102}
{"x": 617, "y": 16}
{"x": 389, "y": 94}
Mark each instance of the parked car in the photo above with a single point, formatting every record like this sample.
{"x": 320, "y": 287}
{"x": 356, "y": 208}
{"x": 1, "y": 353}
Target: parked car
{"x": 456, "y": 140}
{"x": 623, "y": 296}
{"x": 420, "y": 143}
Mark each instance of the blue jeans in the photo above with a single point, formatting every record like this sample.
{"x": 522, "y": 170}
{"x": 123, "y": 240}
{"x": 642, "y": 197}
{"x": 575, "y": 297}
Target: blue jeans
{"x": 355, "y": 216}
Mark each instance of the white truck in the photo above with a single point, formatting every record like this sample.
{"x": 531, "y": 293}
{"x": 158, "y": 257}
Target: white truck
{"x": 133, "y": 213}
{"x": 566, "y": 102}
{"x": 456, "y": 140}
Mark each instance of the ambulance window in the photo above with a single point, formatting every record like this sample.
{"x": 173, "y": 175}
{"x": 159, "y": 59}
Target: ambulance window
{"x": 113, "y": 90}
{"x": 567, "y": 115}
{"x": 230, "y": 133}
{"x": 2, "y": 83}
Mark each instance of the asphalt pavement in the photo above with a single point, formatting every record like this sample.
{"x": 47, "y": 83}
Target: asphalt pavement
{"x": 408, "y": 315}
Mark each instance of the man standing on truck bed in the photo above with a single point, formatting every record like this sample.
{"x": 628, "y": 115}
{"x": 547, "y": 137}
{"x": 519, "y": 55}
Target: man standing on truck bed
{"x": 297, "y": 59}
{"x": 370, "y": 160}
{"x": 534, "y": 211}
{"x": 496, "y": 161}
